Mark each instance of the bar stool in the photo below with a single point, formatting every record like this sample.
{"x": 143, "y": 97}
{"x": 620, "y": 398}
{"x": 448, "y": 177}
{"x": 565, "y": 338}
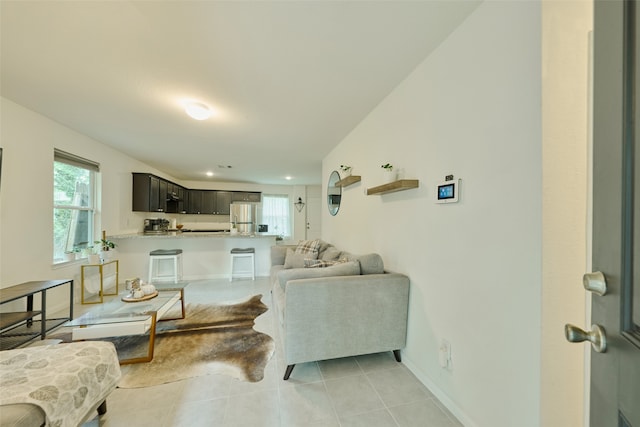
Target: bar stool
{"x": 174, "y": 255}
{"x": 248, "y": 256}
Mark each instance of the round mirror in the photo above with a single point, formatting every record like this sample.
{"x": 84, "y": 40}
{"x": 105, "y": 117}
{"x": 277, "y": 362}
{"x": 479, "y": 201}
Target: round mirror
{"x": 334, "y": 193}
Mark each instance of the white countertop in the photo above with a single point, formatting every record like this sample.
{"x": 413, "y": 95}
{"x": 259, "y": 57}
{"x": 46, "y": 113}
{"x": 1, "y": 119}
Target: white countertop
{"x": 189, "y": 235}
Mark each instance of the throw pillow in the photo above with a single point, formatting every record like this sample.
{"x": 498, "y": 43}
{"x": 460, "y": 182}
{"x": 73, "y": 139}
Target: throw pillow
{"x": 322, "y": 246}
{"x": 294, "y": 260}
{"x": 308, "y": 247}
{"x": 369, "y": 263}
{"x": 331, "y": 254}
{"x": 320, "y": 263}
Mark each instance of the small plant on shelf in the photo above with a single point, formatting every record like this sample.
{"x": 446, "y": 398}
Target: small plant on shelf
{"x": 346, "y": 171}
{"x": 388, "y": 174}
{"x": 105, "y": 244}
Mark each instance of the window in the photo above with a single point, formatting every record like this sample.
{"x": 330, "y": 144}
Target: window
{"x": 73, "y": 203}
{"x": 276, "y": 214}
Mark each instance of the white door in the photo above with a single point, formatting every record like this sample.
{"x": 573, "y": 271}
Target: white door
{"x": 313, "y": 228}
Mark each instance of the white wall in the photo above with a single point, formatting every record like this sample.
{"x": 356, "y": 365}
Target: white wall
{"x": 26, "y": 208}
{"x": 471, "y": 109}
{"x": 26, "y": 225}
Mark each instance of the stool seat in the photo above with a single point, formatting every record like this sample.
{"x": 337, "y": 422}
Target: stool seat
{"x": 246, "y": 256}
{"x": 165, "y": 252}
{"x": 174, "y": 256}
{"x": 243, "y": 251}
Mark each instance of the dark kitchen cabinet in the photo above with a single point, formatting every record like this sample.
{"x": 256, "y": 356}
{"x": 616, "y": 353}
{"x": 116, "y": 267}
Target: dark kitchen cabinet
{"x": 162, "y": 195}
{"x": 223, "y": 202}
{"x": 209, "y": 202}
{"x": 194, "y": 201}
{"x": 147, "y": 195}
{"x": 175, "y": 198}
{"x": 246, "y": 196}
{"x": 154, "y": 194}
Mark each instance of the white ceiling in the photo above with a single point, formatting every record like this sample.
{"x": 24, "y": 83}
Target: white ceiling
{"x": 289, "y": 79}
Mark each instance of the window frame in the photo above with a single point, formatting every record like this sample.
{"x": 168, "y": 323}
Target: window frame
{"x": 289, "y": 219}
{"x": 92, "y": 206}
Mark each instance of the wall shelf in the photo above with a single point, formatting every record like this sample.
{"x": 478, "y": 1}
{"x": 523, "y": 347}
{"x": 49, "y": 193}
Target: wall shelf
{"x": 347, "y": 181}
{"x": 402, "y": 184}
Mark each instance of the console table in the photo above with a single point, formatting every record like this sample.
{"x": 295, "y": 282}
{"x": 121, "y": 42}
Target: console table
{"x": 100, "y": 266}
{"x": 18, "y": 328}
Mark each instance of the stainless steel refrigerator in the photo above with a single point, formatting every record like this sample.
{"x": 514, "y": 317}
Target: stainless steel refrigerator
{"x": 245, "y": 216}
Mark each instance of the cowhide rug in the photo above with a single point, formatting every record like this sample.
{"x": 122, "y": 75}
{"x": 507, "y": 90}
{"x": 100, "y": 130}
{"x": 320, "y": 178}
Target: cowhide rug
{"x": 212, "y": 339}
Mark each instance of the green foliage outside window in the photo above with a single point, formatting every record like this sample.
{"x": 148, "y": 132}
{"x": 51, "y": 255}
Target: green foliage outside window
{"x": 73, "y": 209}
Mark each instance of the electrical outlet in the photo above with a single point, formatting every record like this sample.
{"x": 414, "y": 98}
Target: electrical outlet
{"x": 445, "y": 354}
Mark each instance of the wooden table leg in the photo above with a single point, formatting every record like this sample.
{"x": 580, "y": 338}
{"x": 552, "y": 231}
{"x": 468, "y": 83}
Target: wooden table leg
{"x": 152, "y": 343}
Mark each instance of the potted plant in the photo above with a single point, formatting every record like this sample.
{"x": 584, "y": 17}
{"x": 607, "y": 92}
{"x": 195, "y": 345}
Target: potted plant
{"x": 105, "y": 247}
{"x": 346, "y": 170}
{"x": 69, "y": 256}
{"x": 388, "y": 174}
{"x": 93, "y": 257}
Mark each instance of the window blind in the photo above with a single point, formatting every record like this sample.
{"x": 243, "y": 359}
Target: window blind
{"x": 72, "y": 159}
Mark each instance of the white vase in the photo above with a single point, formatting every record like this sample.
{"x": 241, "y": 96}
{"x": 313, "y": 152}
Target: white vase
{"x": 388, "y": 176}
{"x": 94, "y": 259}
{"x": 344, "y": 174}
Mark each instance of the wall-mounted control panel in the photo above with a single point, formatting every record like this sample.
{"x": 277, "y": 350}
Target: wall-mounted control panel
{"x": 448, "y": 191}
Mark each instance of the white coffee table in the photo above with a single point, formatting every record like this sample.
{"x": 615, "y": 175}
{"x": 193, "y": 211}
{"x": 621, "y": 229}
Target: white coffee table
{"x": 118, "y": 318}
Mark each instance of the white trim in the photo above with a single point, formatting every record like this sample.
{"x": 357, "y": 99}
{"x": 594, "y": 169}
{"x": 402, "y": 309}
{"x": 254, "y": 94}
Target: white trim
{"x": 455, "y": 410}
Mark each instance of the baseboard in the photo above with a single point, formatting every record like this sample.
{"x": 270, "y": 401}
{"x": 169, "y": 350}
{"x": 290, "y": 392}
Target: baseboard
{"x": 439, "y": 394}
{"x": 215, "y": 277}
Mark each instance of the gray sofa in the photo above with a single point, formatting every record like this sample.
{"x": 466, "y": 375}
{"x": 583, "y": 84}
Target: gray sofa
{"x": 339, "y": 305}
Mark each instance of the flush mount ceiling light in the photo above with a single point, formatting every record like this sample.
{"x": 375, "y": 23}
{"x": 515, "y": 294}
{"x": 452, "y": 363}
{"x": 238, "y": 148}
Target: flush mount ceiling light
{"x": 198, "y": 111}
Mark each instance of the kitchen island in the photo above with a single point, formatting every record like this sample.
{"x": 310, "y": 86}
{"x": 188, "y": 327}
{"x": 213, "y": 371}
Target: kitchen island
{"x": 205, "y": 255}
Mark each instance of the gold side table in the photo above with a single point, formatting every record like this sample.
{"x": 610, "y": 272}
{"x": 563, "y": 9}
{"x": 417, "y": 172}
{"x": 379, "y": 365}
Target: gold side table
{"x": 100, "y": 268}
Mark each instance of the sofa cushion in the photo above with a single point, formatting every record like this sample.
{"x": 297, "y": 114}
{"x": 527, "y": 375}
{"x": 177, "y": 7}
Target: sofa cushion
{"x": 330, "y": 254}
{"x": 322, "y": 247}
{"x": 351, "y": 268}
{"x": 369, "y": 263}
{"x": 296, "y": 260}
{"x": 279, "y": 253}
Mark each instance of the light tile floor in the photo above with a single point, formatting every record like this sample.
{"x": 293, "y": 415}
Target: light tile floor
{"x": 372, "y": 390}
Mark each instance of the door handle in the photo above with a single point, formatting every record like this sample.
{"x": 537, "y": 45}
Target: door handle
{"x": 595, "y": 282}
{"x": 596, "y": 336}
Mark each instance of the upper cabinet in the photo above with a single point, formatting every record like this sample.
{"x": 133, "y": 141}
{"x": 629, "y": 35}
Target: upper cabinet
{"x": 154, "y": 194}
{"x": 246, "y": 196}
{"x": 209, "y": 202}
{"x": 146, "y": 193}
{"x": 223, "y": 202}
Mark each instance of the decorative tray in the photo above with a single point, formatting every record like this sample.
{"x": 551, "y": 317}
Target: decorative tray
{"x": 129, "y": 298}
